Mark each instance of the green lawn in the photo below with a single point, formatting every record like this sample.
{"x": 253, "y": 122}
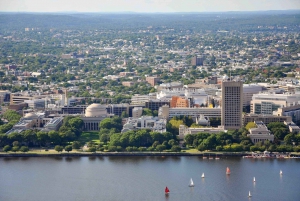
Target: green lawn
{"x": 89, "y": 136}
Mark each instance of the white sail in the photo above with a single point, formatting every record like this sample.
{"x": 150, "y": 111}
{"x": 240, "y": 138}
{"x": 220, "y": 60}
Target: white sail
{"x": 202, "y": 175}
{"x": 280, "y": 172}
{"x": 249, "y": 194}
{"x": 191, "y": 183}
{"x": 253, "y": 179}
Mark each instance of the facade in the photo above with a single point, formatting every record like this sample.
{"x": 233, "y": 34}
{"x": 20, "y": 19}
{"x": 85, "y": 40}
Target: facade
{"x": 266, "y": 119}
{"x": 4, "y": 96}
{"x": 168, "y": 113}
{"x": 137, "y": 112}
{"x": 29, "y": 121}
{"x": 293, "y": 128}
{"x": 137, "y": 99}
{"x": 248, "y": 91}
{"x": 152, "y": 80}
{"x": 117, "y": 109}
{"x": 177, "y": 101}
{"x": 260, "y": 133}
{"x": 184, "y": 130}
{"x": 94, "y": 114}
{"x": 145, "y": 122}
{"x": 36, "y": 103}
{"x": 266, "y": 103}
{"x": 232, "y": 104}
{"x": 291, "y": 111}
{"x": 78, "y": 109}
{"x": 197, "y": 61}
{"x": 128, "y": 84}
{"x": 156, "y": 104}
{"x": 54, "y": 124}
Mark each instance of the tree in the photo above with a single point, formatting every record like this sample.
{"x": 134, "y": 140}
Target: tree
{"x": 147, "y": 112}
{"x": 278, "y": 129}
{"x": 58, "y": 148}
{"x": 124, "y": 114}
{"x": 15, "y": 149}
{"x": 92, "y": 149}
{"x": 76, "y": 145}
{"x": 68, "y": 148}
{"x": 250, "y": 125}
{"x": 15, "y": 144}
{"x": 24, "y": 149}
{"x": 129, "y": 149}
{"x": 6, "y": 148}
{"x": 76, "y": 122}
{"x": 42, "y": 137}
{"x": 109, "y": 123}
{"x": 189, "y": 139}
{"x": 202, "y": 147}
{"x": 289, "y": 139}
{"x": 176, "y": 148}
{"x": 160, "y": 148}
{"x": 54, "y": 137}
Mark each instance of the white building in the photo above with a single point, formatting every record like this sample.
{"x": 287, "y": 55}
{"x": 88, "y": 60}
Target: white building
{"x": 199, "y": 95}
{"x": 54, "y": 124}
{"x": 184, "y": 130}
{"x": 248, "y": 91}
{"x": 266, "y": 103}
{"x": 260, "y": 133}
{"x": 168, "y": 113}
{"x": 145, "y": 122}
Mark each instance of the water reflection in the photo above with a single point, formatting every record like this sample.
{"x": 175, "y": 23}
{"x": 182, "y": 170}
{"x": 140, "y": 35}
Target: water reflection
{"x": 68, "y": 159}
{"x": 12, "y": 159}
{"x": 92, "y": 158}
{"x": 57, "y": 158}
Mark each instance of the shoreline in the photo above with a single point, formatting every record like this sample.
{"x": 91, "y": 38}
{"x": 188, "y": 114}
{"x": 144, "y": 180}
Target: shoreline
{"x": 8, "y": 155}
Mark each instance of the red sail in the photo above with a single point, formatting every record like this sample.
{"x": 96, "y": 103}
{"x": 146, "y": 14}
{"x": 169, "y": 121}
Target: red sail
{"x": 167, "y": 190}
{"x": 227, "y": 170}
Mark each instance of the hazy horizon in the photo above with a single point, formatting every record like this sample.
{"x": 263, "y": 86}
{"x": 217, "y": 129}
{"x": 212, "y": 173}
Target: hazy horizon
{"x": 146, "y": 6}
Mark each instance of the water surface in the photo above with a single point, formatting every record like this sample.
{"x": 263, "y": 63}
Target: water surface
{"x": 144, "y": 178}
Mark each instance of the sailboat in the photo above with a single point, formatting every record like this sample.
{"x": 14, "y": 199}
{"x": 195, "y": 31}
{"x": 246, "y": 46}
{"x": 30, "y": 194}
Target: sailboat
{"x": 191, "y": 183}
{"x": 217, "y": 158}
{"x": 167, "y": 191}
{"x": 280, "y": 172}
{"x": 210, "y": 157}
{"x": 227, "y": 170}
{"x": 253, "y": 179}
{"x": 249, "y": 194}
{"x": 202, "y": 175}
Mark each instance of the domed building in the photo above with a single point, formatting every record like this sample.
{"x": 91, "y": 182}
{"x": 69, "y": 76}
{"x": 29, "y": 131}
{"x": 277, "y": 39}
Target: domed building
{"x": 96, "y": 110}
{"x": 94, "y": 113}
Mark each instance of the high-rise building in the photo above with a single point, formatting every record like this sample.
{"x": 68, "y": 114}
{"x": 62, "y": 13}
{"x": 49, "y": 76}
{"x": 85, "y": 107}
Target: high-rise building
{"x": 232, "y": 104}
{"x": 197, "y": 61}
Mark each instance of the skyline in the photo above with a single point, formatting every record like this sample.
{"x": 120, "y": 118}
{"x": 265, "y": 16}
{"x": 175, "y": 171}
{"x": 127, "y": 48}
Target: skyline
{"x": 146, "y": 6}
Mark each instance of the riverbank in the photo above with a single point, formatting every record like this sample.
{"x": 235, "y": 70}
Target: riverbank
{"x": 84, "y": 154}
{"x": 208, "y": 155}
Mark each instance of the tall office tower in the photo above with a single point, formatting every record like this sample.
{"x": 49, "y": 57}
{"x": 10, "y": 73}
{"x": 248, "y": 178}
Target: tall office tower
{"x": 197, "y": 61}
{"x": 232, "y": 104}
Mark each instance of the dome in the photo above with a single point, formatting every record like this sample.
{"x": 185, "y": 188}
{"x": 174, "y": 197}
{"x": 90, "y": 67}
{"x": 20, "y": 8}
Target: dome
{"x": 31, "y": 116}
{"x": 95, "y": 110}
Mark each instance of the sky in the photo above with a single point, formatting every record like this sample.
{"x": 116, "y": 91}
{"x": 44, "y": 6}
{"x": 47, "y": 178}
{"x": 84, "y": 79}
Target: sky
{"x": 145, "y": 5}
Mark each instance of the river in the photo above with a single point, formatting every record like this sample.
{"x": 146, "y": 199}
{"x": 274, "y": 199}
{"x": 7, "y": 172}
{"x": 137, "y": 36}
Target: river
{"x": 136, "y": 178}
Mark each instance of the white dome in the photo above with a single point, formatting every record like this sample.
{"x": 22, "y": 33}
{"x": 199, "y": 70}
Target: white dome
{"x": 95, "y": 110}
{"x": 31, "y": 116}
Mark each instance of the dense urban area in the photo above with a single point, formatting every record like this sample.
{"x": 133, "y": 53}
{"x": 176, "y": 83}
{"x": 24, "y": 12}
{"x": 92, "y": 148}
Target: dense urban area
{"x": 225, "y": 82}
